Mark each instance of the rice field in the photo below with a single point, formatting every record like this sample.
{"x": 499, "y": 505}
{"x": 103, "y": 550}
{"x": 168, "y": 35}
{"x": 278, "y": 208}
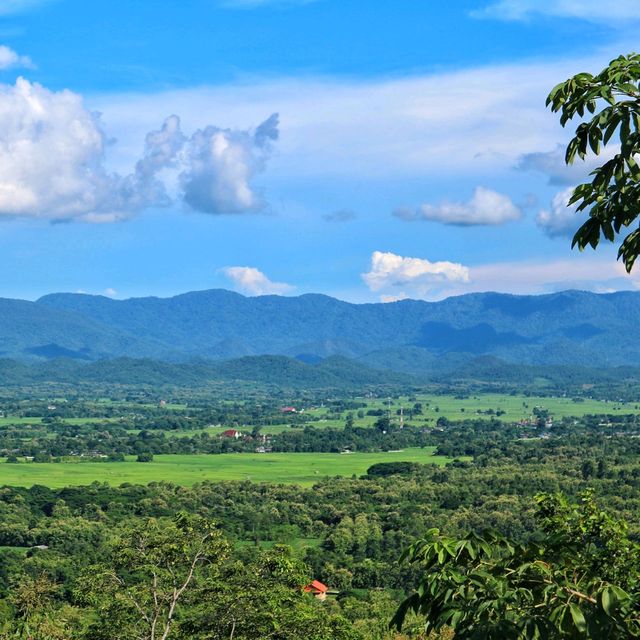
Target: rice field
{"x": 186, "y": 470}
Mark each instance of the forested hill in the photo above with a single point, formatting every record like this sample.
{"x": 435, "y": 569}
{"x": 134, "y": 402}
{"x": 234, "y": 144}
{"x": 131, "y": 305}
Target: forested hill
{"x": 334, "y": 372}
{"x": 570, "y": 327}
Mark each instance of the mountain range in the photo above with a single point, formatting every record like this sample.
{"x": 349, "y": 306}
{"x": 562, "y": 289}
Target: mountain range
{"x": 567, "y": 328}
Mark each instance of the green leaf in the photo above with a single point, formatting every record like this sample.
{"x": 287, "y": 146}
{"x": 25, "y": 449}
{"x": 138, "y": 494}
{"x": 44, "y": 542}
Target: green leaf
{"x": 595, "y": 136}
{"x": 607, "y": 600}
{"x": 578, "y": 617}
{"x": 611, "y": 127}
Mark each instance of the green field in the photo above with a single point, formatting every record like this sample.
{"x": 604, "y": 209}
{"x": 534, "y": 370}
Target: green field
{"x": 519, "y": 407}
{"x": 515, "y": 408}
{"x": 512, "y": 408}
{"x": 11, "y": 420}
{"x": 289, "y": 468}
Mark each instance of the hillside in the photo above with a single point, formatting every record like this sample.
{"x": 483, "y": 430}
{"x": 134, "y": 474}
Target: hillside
{"x": 32, "y": 330}
{"x": 280, "y": 371}
{"x": 417, "y": 337}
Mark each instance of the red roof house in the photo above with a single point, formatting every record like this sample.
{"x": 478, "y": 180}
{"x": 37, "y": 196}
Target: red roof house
{"x": 231, "y": 433}
{"x": 318, "y": 589}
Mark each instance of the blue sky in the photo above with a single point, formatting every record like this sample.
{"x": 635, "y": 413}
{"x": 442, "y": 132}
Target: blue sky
{"x": 411, "y": 154}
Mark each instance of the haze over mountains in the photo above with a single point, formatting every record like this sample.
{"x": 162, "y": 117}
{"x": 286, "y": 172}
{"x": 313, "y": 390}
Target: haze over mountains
{"x": 569, "y": 328}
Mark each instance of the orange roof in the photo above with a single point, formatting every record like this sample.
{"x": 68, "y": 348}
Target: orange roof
{"x": 316, "y": 585}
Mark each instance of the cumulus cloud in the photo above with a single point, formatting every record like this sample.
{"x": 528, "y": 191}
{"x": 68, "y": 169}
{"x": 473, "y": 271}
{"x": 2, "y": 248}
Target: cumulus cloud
{"x": 221, "y": 166}
{"x": 561, "y": 219}
{"x": 255, "y": 283}
{"x": 51, "y": 152}
{"x": 486, "y": 207}
{"x": 9, "y": 59}
{"x": 591, "y": 10}
{"x": 343, "y": 215}
{"x": 52, "y": 162}
{"x": 586, "y": 273}
{"x": 161, "y": 148}
{"x": 396, "y": 275}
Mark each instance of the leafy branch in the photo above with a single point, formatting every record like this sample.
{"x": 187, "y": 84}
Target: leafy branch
{"x": 612, "y": 198}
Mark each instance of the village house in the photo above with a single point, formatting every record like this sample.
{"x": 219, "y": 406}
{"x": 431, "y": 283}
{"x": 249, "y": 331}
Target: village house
{"x": 288, "y": 410}
{"x": 317, "y": 589}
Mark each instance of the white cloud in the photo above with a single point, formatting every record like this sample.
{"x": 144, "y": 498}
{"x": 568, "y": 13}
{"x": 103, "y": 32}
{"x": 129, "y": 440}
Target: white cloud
{"x": 486, "y": 207}
{"x": 9, "y": 59}
{"x": 51, "y": 153}
{"x": 52, "y": 162}
{"x": 221, "y": 166}
{"x": 161, "y": 148}
{"x": 397, "y": 278}
{"x": 253, "y": 282}
{"x": 396, "y": 275}
{"x": 110, "y": 292}
{"x": 560, "y": 220}
{"x": 591, "y": 10}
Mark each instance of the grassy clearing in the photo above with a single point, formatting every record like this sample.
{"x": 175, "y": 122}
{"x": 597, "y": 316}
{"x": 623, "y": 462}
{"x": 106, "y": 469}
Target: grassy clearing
{"x": 288, "y": 468}
{"x": 20, "y": 550}
{"x": 77, "y": 421}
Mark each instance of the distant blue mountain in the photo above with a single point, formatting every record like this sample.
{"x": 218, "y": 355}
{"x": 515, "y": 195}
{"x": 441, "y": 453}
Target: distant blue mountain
{"x": 570, "y": 328}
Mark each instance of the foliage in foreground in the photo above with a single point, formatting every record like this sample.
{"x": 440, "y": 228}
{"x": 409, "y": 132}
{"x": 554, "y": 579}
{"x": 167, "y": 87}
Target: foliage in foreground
{"x": 581, "y": 581}
{"x": 612, "y": 198}
{"x": 177, "y": 580}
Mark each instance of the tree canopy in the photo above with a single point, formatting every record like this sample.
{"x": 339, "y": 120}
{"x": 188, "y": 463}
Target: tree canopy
{"x": 580, "y": 581}
{"x": 612, "y": 198}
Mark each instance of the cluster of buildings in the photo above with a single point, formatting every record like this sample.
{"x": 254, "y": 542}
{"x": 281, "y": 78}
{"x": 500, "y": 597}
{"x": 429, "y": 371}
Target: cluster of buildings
{"x": 263, "y": 446}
